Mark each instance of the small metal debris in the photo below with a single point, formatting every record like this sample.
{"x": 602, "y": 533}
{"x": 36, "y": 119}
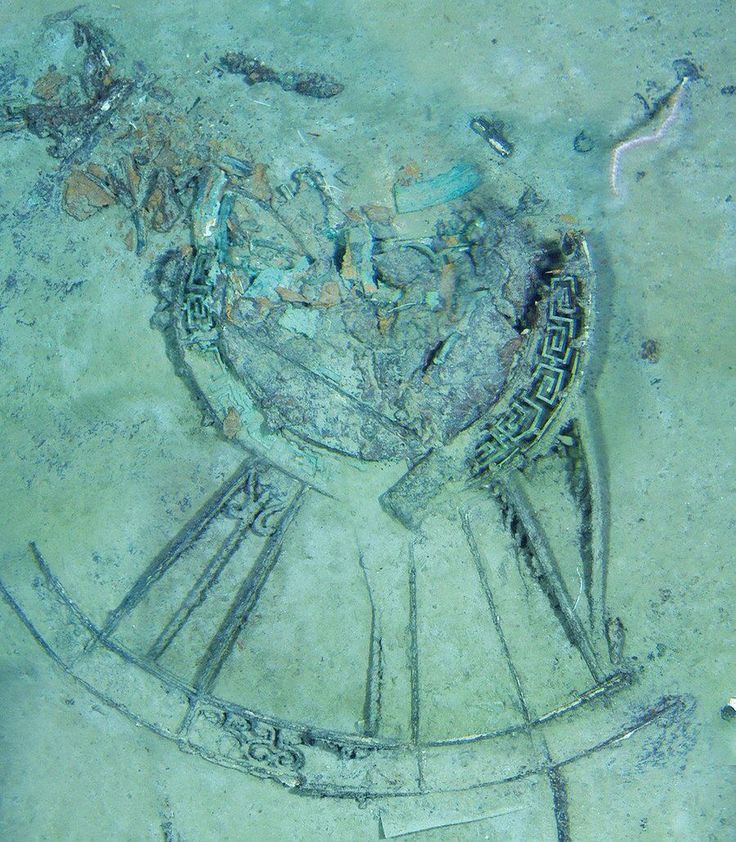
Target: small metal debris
{"x": 231, "y": 423}
{"x": 492, "y": 131}
{"x": 583, "y": 142}
{"x": 728, "y": 712}
{"x": 236, "y": 166}
{"x": 84, "y": 195}
{"x": 253, "y": 71}
{"x": 649, "y": 350}
{"x": 686, "y": 69}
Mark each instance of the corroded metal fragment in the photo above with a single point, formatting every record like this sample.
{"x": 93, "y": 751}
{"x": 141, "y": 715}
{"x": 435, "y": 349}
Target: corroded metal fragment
{"x": 84, "y": 196}
{"x": 437, "y": 189}
{"x": 545, "y": 377}
{"x": 306, "y": 83}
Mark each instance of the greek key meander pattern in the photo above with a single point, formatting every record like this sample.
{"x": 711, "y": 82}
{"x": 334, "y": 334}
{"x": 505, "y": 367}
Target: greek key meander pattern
{"x": 198, "y": 294}
{"x": 516, "y": 429}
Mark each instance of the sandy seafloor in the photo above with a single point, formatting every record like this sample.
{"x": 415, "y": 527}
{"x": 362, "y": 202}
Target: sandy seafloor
{"x": 97, "y": 431}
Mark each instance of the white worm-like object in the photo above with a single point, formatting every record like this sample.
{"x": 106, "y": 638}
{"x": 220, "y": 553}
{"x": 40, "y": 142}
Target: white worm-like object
{"x": 625, "y": 145}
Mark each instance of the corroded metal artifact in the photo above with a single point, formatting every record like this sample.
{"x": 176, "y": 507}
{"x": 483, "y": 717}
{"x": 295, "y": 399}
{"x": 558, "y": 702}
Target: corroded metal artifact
{"x": 401, "y": 588}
